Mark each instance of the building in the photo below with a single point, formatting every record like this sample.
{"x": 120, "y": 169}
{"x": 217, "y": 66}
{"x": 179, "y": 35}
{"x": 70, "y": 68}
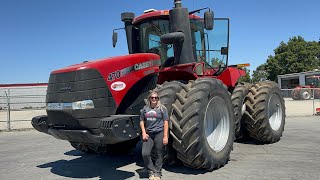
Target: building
{"x": 290, "y": 81}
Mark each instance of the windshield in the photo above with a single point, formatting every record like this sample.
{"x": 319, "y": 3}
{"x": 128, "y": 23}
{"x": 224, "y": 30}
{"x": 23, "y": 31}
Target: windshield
{"x": 150, "y": 33}
{"x": 209, "y": 46}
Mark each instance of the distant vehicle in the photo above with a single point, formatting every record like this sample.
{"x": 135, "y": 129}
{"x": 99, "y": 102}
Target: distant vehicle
{"x": 307, "y": 92}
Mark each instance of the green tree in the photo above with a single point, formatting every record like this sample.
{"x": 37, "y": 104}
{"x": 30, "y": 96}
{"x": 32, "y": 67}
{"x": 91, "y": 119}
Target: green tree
{"x": 245, "y": 78}
{"x": 260, "y": 74}
{"x": 295, "y": 56}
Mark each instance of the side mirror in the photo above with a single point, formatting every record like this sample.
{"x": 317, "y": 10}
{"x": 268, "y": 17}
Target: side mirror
{"x": 114, "y": 38}
{"x": 224, "y": 50}
{"x": 208, "y": 20}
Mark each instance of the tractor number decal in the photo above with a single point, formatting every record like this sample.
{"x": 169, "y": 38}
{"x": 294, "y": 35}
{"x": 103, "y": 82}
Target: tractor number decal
{"x": 114, "y": 75}
{"x": 123, "y": 72}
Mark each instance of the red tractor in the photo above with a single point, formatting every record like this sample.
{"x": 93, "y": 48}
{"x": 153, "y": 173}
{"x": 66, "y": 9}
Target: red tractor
{"x": 95, "y": 105}
{"x": 307, "y": 92}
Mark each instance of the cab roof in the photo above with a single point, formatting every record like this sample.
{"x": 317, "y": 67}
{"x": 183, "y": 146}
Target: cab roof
{"x": 157, "y": 14}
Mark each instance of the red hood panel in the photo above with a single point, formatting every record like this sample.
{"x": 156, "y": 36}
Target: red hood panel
{"x": 112, "y": 62}
{"x": 122, "y": 72}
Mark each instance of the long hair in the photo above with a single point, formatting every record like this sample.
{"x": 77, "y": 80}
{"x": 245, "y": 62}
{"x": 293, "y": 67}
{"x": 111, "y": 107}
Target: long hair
{"x": 148, "y": 104}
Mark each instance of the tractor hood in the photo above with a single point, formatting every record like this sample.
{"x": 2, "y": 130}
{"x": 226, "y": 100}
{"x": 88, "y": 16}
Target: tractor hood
{"x": 112, "y": 62}
{"x": 119, "y": 73}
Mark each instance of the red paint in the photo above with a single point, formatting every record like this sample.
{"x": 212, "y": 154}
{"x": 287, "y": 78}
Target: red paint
{"x": 156, "y": 14}
{"x": 179, "y": 72}
{"x": 231, "y": 75}
{"x": 113, "y": 64}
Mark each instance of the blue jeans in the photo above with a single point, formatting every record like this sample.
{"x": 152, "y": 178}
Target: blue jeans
{"x": 155, "y": 141}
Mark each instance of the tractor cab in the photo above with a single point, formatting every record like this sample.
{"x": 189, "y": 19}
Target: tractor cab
{"x": 209, "y": 46}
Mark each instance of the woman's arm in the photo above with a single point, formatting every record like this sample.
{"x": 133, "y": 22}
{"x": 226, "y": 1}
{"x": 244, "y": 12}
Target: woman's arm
{"x": 145, "y": 136}
{"x": 165, "y": 132}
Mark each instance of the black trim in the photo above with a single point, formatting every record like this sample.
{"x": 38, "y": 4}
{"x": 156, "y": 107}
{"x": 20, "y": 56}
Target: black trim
{"x": 75, "y": 86}
{"x": 133, "y": 101}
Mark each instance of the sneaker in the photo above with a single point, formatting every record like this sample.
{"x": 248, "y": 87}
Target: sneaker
{"x": 152, "y": 177}
{"x": 156, "y": 178}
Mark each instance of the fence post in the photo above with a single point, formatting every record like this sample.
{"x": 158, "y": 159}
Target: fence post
{"x": 313, "y": 108}
{"x": 8, "y": 110}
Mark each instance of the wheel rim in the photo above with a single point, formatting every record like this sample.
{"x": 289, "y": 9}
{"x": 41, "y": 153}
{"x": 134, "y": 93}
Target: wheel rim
{"x": 275, "y": 112}
{"x": 306, "y": 95}
{"x": 217, "y": 124}
{"x": 243, "y": 109}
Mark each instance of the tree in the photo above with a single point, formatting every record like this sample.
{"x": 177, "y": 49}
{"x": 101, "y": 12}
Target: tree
{"x": 295, "y": 56}
{"x": 260, "y": 74}
{"x": 245, "y": 78}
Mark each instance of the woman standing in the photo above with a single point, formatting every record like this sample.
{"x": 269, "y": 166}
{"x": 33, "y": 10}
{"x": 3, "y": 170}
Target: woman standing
{"x": 154, "y": 126}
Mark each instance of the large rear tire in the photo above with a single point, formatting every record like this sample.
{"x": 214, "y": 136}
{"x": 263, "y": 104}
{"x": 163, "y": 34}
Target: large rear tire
{"x": 167, "y": 93}
{"x": 238, "y": 100}
{"x": 203, "y": 124}
{"x": 265, "y": 112}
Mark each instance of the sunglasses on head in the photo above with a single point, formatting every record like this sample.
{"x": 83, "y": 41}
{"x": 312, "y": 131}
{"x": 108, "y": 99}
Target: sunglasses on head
{"x": 154, "y": 97}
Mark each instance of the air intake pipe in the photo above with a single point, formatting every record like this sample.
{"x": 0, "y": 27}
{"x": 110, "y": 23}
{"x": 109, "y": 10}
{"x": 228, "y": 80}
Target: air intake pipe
{"x": 180, "y": 35}
{"x": 127, "y": 18}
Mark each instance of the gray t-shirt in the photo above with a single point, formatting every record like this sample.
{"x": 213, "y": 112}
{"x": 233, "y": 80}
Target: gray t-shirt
{"x": 154, "y": 117}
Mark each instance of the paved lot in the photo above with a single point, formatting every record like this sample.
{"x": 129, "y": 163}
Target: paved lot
{"x": 34, "y": 155}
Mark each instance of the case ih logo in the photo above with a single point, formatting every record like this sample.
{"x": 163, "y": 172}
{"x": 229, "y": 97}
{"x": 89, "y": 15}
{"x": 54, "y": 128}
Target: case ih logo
{"x": 65, "y": 89}
{"x": 143, "y": 65}
{"x": 123, "y": 72}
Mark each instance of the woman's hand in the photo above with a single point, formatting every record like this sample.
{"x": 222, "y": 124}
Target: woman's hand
{"x": 165, "y": 140}
{"x": 145, "y": 136}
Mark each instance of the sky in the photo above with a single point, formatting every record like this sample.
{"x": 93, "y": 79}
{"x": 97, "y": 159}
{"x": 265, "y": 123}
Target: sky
{"x": 39, "y": 36}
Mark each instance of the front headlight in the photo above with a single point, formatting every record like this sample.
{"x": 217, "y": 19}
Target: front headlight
{"x": 85, "y": 104}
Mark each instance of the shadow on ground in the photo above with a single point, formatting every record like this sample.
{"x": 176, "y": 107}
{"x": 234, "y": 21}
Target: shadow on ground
{"x": 107, "y": 166}
{"x": 92, "y": 165}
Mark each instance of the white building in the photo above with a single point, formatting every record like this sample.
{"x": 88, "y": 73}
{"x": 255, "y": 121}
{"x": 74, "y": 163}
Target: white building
{"x": 290, "y": 81}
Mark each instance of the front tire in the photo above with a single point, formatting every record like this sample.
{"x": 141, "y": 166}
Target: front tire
{"x": 203, "y": 124}
{"x": 265, "y": 112}
{"x": 238, "y": 100}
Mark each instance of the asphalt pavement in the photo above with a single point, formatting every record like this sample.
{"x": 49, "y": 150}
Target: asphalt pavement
{"x": 33, "y": 155}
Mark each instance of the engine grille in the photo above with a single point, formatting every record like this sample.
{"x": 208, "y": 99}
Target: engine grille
{"x": 75, "y": 86}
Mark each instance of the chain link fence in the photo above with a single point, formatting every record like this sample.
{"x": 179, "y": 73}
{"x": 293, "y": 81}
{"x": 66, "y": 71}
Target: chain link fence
{"x": 19, "y": 105}
{"x": 302, "y": 102}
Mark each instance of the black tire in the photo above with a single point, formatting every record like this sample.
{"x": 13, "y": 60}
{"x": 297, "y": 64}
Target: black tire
{"x": 305, "y": 94}
{"x": 265, "y": 118}
{"x": 190, "y": 122}
{"x": 238, "y": 100}
{"x": 167, "y": 93}
{"x": 295, "y": 94}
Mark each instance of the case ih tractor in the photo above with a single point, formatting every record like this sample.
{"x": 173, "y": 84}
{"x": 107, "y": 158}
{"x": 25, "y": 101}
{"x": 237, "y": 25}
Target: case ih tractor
{"x": 96, "y": 105}
{"x": 306, "y": 92}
